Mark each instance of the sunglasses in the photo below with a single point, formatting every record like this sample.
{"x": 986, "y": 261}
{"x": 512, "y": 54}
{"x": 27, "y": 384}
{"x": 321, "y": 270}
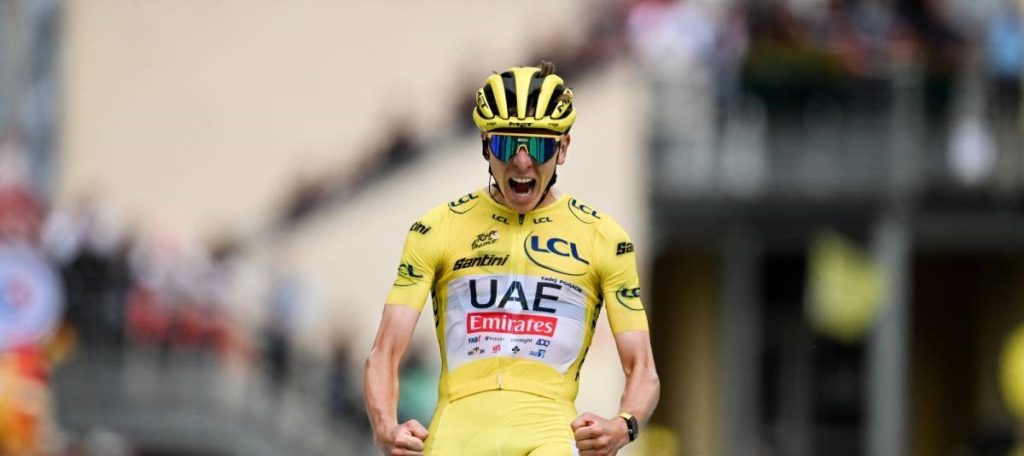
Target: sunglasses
{"x": 540, "y": 147}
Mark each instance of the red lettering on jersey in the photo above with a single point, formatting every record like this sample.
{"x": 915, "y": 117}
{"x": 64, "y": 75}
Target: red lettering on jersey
{"x": 506, "y": 323}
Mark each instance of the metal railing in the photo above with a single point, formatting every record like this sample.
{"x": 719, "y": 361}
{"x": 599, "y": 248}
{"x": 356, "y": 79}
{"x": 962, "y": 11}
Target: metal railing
{"x": 192, "y": 402}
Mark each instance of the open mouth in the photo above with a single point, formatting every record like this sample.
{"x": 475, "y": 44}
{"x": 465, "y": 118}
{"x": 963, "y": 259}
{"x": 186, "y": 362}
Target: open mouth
{"x": 522, "y": 185}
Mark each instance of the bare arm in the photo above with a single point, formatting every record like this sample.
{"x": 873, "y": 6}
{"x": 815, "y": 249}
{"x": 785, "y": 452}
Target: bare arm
{"x": 601, "y": 436}
{"x": 380, "y": 383}
{"x": 642, "y": 385}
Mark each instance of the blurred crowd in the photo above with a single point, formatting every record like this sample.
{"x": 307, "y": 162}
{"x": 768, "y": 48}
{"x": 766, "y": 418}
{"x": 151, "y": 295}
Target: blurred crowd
{"x": 795, "y": 58}
{"x": 790, "y": 53}
{"x": 76, "y": 284}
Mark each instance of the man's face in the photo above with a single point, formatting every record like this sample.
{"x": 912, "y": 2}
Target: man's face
{"x": 522, "y": 181}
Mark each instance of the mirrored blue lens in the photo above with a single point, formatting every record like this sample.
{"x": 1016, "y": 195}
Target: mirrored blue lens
{"x": 541, "y": 149}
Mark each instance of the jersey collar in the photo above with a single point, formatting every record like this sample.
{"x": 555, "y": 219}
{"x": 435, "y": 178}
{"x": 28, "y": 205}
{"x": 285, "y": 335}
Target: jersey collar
{"x": 562, "y": 197}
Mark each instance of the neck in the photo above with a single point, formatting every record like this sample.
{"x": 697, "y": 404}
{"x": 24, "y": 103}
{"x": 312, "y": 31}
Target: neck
{"x": 548, "y": 199}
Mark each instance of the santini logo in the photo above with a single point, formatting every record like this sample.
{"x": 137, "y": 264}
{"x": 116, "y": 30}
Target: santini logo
{"x": 486, "y": 260}
{"x": 420, "y": 228}
{"x": 623, "y": 248}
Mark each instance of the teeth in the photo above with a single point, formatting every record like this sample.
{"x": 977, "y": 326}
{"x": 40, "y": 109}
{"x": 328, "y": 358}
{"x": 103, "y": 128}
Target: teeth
{"x": 522, "y": 180}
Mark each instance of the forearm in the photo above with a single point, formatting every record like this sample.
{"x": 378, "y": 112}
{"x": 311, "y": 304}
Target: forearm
{"x": 640, "y": 396}
{"x": 380, "y": 386}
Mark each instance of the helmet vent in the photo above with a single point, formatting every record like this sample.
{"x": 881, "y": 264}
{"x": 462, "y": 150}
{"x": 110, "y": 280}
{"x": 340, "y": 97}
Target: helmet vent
{"x": 531, "y": 99}
{"x": 491, "y": 102}
{"x": 555, "y": 96}
{"x": 509, "y": 81}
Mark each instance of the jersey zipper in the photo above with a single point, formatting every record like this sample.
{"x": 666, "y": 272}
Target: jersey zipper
{"x": 518, "y": 270}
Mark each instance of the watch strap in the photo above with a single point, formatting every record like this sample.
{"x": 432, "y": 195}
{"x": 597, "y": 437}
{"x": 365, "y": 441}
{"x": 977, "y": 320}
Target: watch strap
{"x": 632, "y": 426}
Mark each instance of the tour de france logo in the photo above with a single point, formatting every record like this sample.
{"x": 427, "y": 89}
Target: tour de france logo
{"x": 483, "y": 239}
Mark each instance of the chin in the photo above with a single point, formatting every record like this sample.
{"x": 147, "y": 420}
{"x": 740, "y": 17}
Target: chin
{"x": 521, "y": 206}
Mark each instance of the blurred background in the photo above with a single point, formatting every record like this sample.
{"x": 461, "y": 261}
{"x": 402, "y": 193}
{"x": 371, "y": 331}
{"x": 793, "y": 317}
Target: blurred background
{"x": 202, "y": 204}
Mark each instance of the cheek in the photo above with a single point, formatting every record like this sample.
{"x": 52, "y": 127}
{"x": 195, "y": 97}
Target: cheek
{"x": 497, "y": 168}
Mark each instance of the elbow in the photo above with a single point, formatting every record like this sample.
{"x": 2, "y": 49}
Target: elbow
{"x": 654, "y": 382}
{"x": 375, "y": 361}
{"x": 648, "y": 376}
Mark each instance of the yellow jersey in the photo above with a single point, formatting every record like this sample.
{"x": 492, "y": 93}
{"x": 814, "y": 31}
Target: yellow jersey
{"x": 516, "y": 297}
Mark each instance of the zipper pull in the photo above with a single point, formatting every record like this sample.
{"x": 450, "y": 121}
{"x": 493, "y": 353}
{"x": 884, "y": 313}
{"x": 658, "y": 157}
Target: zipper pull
{"x": 521, "y": 218}
{"x": 499, "y": 380}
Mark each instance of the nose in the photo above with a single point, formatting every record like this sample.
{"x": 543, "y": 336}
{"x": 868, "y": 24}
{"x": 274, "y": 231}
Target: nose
{"x": 522, "y": 158}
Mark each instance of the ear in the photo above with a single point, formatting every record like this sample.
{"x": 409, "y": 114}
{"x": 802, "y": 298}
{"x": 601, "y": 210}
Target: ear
{"x": 563, "y": 149}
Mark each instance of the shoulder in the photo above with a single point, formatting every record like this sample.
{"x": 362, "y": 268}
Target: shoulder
{"x": 463, "y": 204}
{"x": 441, "y": 214}
{"x": 586, "y": 214}
{"x": 582, "y": 211}
{"x": 605, "y": 227}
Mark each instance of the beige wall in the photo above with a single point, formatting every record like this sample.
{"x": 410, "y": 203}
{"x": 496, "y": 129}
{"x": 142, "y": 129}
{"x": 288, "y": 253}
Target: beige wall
{"x": 198, "y": 113}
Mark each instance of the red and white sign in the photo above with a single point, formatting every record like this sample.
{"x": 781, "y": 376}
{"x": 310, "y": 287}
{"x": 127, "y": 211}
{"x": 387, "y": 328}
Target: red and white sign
{"x": 506, "y": 323}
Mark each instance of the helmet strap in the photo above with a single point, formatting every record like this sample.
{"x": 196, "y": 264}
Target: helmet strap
{"x": 495, "y": 186}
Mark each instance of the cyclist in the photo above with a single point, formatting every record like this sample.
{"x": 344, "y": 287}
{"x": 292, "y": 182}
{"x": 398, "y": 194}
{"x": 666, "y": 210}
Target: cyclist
{"x": 518, "y": 274}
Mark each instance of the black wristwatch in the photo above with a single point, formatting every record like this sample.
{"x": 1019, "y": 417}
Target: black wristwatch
{"x": 631, "y": 424}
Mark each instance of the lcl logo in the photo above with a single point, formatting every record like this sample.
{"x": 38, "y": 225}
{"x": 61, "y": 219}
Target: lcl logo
{"x": 456, "y": 206}
{"x": 558, "y": 247}
{"x": 629, "y": 298}
{"x": 542, "y": 252}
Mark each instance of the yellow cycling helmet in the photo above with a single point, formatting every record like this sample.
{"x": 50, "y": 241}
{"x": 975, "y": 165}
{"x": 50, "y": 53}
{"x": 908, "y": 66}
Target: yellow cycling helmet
{"x": 526, "y": 98}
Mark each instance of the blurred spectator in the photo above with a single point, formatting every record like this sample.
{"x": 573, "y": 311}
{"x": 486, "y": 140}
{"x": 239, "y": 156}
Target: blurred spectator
{"x": 25, "y": 421}
{"x": 942, "y": 51}
{"x": 344, "y": 398}
{"x": 29, "y": 308}
{"x": 674, "y": 43}
{"x": 402, "y": 146}
{"x": 96, "y": 274}
{"x": 20, "y": 215}
{"x": 1004, "y": 48}
{"x": 668, "y": 35}
{"x": 858, "y": 33}
{"x": 784, "y": 67}
{"x": 306, "y": 195}
{"x": 285, "y": 298}
{"x": 418, "y": 394}
{"x": 731, "y": 43}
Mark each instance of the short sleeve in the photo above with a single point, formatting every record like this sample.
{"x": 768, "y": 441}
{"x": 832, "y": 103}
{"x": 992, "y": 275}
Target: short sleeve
{"x": 620, "y": 283}
{"x": 420, "y": 261}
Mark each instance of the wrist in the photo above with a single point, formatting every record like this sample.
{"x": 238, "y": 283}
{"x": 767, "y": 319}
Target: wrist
{"x": 631, "y": 425}
{"x": 382, "y": 431}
